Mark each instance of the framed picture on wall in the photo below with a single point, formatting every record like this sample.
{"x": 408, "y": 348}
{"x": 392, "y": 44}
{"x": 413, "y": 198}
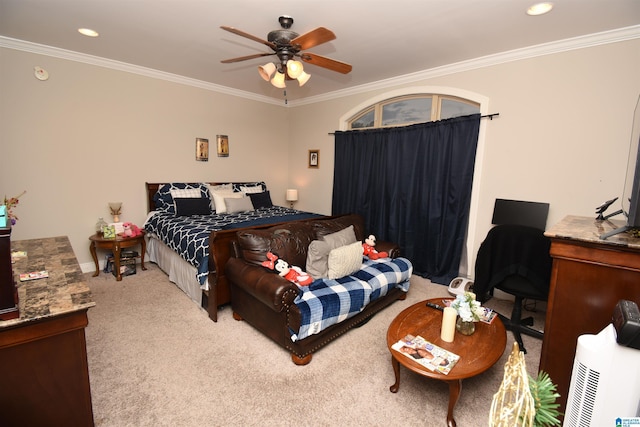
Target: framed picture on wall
{"x": 202, "y": 149}
{"x": 223, "y": 145}
{"x": 314, "y": 158}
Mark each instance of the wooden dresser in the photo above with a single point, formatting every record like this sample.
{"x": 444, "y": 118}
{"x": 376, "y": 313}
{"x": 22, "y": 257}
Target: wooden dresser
{"x": 589, "y": 276}
{"x": 44, "y": 376}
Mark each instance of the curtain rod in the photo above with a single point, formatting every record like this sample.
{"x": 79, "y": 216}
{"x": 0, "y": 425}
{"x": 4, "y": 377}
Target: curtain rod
{"x": 486, "y": 116}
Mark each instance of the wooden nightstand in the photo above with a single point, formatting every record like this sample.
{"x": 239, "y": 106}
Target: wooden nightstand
{"x": 116, "y": 245}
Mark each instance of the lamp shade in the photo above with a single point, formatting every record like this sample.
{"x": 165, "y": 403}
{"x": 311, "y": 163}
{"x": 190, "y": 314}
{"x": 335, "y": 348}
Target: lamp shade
{"x": 294, "y": 68}
{"x": 278, "y": 80}
{"x": 303, "y": 78}
{"x": 292, "y": 195}
{"x": 267, "y": 70}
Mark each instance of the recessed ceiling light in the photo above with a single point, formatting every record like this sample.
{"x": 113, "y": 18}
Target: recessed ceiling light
{"x": 539, "y": 9}
{"x": 88, "y": 32}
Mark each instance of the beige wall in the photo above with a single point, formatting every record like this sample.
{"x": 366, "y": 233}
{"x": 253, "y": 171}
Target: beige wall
{"x": 90, "y": 135}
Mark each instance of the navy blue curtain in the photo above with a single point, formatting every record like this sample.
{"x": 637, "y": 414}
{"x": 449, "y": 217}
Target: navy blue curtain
{"x": 412, "y": 185}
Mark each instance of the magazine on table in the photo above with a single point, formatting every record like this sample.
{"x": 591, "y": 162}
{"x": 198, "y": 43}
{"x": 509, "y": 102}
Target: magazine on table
{"x": 427, "y": 354}
{"x": 34, "y": 275}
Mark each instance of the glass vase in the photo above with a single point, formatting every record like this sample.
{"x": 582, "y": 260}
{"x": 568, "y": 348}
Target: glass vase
{"x": 465, "y": 328}
{"x": 100, "y": 226}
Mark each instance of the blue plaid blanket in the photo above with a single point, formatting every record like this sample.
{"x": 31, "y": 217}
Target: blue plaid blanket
{"x": 189, "y": 236}
{"x": 326, "y": 302}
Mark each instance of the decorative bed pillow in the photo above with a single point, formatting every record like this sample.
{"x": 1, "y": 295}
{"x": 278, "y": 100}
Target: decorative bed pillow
{"x": 241, "y": 204}
{"x": 192, "y": 206}
{"x": 237, "y": 186}
{"x": 163, "y": 198}
{"x": 252, "y": 189}
{"x": 185, "y": 193}
{"x": 219, "y": 196}
{"x": 318, "y": 251}
{"x": 345, "y": 260}
{"x": 261, "y": 200}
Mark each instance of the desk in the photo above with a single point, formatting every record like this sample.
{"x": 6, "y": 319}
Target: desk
{"x": 44, "y": 378}
{"x": 116, "y": 245}
{"x": 588, "y": 277}
{"x": 478, "y": 352}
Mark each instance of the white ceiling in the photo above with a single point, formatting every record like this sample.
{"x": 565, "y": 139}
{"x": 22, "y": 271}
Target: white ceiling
{"x": 381, "y": 39}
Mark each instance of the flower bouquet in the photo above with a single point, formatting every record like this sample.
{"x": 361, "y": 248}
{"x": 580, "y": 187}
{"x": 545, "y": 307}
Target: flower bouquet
{"x": 468, "y": 308}
{"x": 10, "y": 204}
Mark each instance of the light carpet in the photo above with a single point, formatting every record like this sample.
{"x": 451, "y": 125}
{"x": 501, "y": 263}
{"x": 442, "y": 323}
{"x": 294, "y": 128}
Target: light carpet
{"x": 156, "y": 359}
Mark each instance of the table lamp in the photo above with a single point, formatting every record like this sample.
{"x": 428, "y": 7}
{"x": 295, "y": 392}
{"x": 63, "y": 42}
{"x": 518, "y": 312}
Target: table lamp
{"x": 115, "y": 208}
{"x": 292, "y": 196}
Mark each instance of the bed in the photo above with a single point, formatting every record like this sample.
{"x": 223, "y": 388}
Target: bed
{"x": 190, "y": 228}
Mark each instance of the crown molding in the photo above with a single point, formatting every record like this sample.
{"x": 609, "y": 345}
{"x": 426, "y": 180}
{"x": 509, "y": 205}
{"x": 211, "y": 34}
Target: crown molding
{"x": 596, "y": 39}
{"x": 606, "y": 37}
{"x": 70, "y": 55}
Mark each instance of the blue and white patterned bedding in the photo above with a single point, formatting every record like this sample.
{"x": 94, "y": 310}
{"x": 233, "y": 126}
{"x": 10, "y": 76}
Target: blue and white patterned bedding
{"x": 189, "y": 235}
{"x": 327, "y": 302}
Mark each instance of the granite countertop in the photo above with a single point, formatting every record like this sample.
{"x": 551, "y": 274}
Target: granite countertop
{"x": 64, "y": 291}
{"x": 588, "y": 229}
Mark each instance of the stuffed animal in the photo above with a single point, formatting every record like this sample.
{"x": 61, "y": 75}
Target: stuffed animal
{"x": 370, "y": 251}
{"x": 291, "y": 273}
{"x": 130, "y": 230}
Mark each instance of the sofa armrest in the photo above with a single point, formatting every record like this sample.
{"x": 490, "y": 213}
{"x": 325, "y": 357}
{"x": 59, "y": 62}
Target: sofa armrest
{"x": 269, "y": 288}
{"x": 389, "y": 247}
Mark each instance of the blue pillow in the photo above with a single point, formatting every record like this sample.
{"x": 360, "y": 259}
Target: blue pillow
{"x": 261, "y": 200}
{"x": 164, "y": 200}
{"x": 192, "y": 206}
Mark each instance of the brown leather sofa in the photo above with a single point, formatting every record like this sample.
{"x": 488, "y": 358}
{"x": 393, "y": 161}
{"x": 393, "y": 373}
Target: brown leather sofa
{"x": 266, "y": 300}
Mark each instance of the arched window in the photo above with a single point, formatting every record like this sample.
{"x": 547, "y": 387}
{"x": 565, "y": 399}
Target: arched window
{"x": 410, "y": 109}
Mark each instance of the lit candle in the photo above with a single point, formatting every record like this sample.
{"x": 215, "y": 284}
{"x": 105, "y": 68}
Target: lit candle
{"x": 448, "y": 329}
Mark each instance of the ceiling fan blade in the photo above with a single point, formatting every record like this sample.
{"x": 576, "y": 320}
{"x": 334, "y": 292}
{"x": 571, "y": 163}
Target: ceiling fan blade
{"x": 313, "y": 38}
{"x": 244, "y": 58}
{"x": 324, "y": 62}
{"x": 249, "y": 36}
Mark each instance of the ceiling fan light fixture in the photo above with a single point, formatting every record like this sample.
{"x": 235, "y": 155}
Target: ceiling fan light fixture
{"x": 267, "y": 70}
{"x": 303, "y": 78}
{"x": 278, "y": 80}
{"x": 294, "y": 68}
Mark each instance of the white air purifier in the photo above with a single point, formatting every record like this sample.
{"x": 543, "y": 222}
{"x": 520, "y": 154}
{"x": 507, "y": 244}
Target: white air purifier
{"x": 605, "y": 382}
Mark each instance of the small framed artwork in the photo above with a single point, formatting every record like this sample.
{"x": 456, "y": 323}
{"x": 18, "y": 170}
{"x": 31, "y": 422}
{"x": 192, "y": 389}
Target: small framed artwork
{"x": 202, "y": 149}
{"x": 223, "y": 145}
{"x": 314, "y": 158}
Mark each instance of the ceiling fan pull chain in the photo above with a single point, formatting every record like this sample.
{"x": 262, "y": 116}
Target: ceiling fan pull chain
{"x": 286, "y": 101}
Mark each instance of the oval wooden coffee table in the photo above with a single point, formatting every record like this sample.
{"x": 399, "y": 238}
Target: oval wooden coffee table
{"x": 478, "y": 352}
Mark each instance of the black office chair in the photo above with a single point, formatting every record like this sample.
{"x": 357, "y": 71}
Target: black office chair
{"x": 515, "y": 259}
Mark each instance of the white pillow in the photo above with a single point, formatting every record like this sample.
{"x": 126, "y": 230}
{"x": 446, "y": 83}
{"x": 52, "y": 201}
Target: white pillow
{"x": 219, "y": 196}
{"x": 218, "y": 187}
{"x": 345, "y": 260}
{"x": 241, "y": 204}
{"x": 186, "y": 193}
{"x": 251, "y": 190}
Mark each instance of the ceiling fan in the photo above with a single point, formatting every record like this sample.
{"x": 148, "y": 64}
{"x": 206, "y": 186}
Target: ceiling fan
{"x": 288, "y": 45}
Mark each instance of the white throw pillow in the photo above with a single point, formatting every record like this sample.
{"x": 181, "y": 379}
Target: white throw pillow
{"x": 345, "y": 260}
{"x": 219, "y": 196}
{"x": 186, "y": 193}
{"x": 252, "y": 190}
